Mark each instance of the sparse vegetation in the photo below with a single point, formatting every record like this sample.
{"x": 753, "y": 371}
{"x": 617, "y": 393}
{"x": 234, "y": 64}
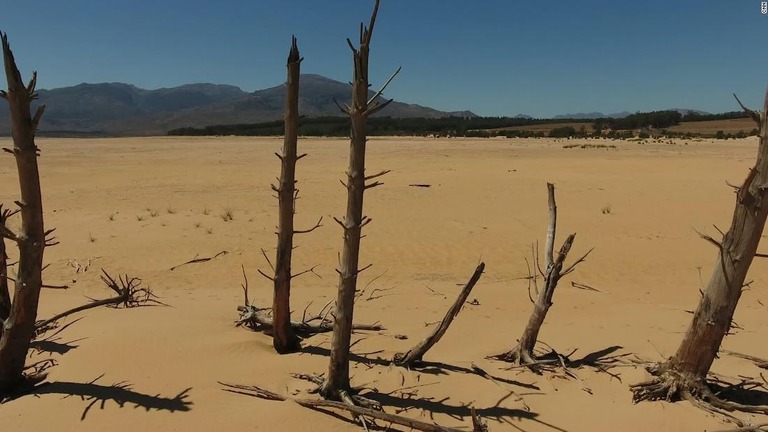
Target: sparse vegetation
{"x": 606, "y": 210}
{"x": 227, "y": 215}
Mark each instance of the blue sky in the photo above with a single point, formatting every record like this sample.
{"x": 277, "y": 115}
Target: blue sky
{"x": 494, "y": 57}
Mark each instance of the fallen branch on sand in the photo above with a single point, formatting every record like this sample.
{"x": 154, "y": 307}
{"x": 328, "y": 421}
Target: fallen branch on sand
{"x": 477, "y": 423}
{"x": 129, "y": 291}
{"x": 260, "y": 319}
{"x": 200, "y": 260}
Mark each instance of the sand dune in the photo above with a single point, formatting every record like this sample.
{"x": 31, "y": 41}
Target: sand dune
{"x": 143, "y": 205}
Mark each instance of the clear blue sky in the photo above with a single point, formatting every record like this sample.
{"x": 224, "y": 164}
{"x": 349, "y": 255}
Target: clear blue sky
{"x": 494, "y": 57}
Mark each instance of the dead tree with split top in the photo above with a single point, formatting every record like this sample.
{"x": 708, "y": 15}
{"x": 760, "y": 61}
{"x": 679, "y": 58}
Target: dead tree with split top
{"x": 554, "y": 270}
{"x": 362, "y": 106}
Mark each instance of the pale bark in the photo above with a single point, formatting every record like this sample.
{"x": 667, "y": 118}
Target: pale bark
{"x": 283, "y": 337}
{"x": 523, "y": 352}
{"x": 19, "y": 327}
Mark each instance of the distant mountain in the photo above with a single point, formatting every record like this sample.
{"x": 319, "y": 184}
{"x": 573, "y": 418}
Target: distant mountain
{"x": 124, "y": 109}
{"x": 594, "y": 115}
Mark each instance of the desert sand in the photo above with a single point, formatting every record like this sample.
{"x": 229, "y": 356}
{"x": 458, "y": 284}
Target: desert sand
{"x": 138, "y": 206}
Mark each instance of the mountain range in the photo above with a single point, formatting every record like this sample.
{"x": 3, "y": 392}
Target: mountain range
{"x": 118, "y": 109}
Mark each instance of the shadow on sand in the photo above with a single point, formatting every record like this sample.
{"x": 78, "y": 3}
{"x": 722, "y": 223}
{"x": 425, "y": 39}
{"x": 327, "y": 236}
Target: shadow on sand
{"x": 121, "y": 393}
{"x": 461, "y": 411}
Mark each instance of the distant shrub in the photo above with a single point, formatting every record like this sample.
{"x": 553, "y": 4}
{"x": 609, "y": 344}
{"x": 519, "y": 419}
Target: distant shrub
{"x": 562, "y": 132}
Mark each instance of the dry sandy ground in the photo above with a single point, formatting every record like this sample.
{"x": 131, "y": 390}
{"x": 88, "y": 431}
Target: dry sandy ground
{"x": 487, "y": 202}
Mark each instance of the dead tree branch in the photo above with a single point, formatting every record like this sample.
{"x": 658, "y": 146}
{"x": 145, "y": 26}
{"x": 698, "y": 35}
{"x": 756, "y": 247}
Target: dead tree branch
{"x": 200, "y": 260}
{"x": 415, "y": 354}
{"x": 254, "y": 391}
{"x": 523, "y": 353}
{"x": 130, "y": 294}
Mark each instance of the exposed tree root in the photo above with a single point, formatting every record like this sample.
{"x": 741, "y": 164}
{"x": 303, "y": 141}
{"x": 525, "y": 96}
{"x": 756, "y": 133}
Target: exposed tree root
{"x": 348, "y": 403}
{"x": 672, "y": 386}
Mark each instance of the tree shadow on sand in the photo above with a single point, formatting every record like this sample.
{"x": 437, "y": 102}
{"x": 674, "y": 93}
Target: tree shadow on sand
{"x": 460, "y": 411}
{"x": 120, "y": 393}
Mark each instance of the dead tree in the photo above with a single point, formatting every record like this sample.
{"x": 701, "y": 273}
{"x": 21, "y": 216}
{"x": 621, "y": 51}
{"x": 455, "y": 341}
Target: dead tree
{"x": 683, "y": 376}
{"x": 361, "y": 108}
{"x": 415, "y": 354}
{"x": 19, "y": 328}
{"x": 552, "y": 273}
{"x": 283, "y": 337}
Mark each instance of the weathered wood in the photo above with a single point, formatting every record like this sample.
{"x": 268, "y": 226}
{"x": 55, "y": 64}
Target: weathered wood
{"x": 684, "y": 374}
{"x": 129, "y": 292}
{"x": 359, "y": 111}
{"x": 19, "y": 328}
{"x": 523, "y": 352}
{"x": 415, "y": 354}
{"x": 283, "y": 337}
{"x": 261, "y": 393}
{"x": 317, "y": 324}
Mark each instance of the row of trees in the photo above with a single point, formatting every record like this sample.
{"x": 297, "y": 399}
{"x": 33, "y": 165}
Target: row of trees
{"x": 455, "y": 126}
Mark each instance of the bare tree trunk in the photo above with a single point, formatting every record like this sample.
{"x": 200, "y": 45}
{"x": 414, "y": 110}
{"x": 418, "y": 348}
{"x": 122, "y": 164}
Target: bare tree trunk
{"x": 684, "y": 374}
{"x": 361, "y": 109}
{"x": 19, "y": 328}
{"x": 415, "y": 354}
{"x": 523, "y": 352}
{"x": 283, "y": 337}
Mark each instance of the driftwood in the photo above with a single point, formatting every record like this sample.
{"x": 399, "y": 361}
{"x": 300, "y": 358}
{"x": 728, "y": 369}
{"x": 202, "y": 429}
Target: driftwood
{"x": 415, "y": 354}
{"x": 19, "y": 328}
{"x": 260, "y": 319}
{"x": 357, "y": 183}
{"x": 684, "y": 375}
{"x": 478, "y": 425}
{"x": 196, "y": 260}
{"x": 523, "y": 353}
{"x": 129, "y": 292}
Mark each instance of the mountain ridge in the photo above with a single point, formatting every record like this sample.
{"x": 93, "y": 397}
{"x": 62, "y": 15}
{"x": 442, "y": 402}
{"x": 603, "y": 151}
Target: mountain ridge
{"x": 122, "y": 109}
